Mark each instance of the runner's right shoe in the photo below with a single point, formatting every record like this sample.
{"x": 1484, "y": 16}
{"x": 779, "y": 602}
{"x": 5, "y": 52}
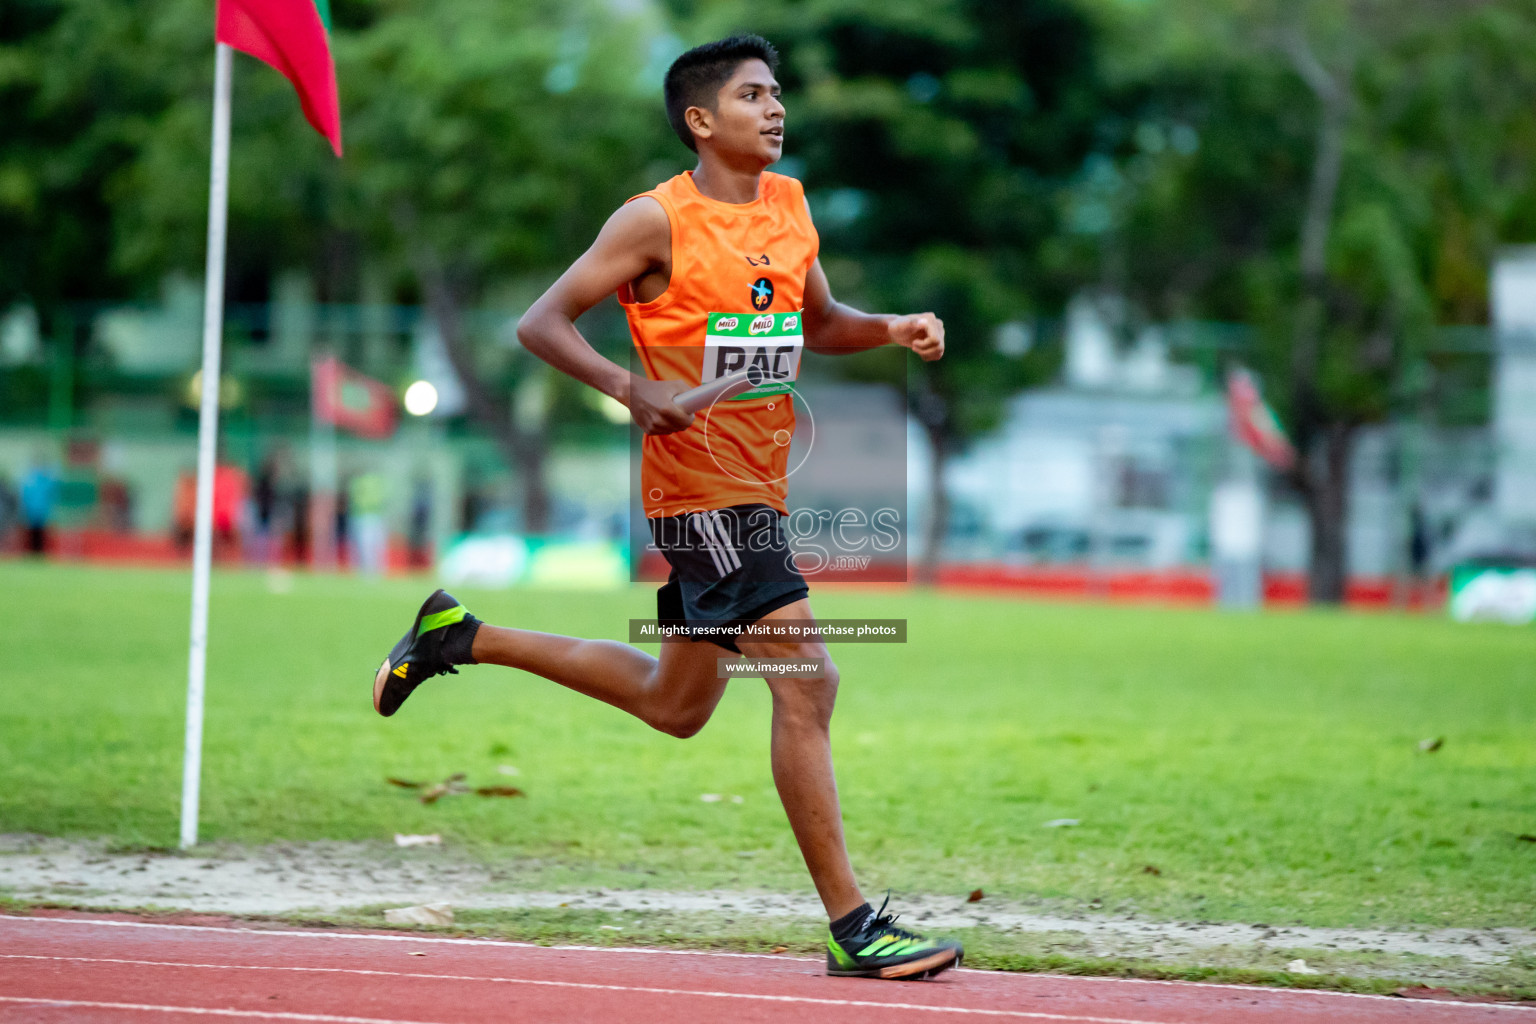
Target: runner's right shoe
{"x": 419, "y": 655}
{"x": 882, "y": 950}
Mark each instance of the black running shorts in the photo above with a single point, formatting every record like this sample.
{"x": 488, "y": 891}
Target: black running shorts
{"x": 730, "y": 567}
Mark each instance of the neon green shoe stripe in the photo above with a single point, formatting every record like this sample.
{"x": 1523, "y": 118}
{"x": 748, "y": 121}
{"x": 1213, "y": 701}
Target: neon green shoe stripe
{"x": 879, "y": 946}
{"x": 437, "y": 620}
{"x": 844, "y": 961}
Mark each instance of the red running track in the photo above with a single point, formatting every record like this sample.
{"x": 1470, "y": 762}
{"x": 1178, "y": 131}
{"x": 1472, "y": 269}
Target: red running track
{"x": 125, "y": 971}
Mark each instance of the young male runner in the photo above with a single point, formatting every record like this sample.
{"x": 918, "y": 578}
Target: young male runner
{"x": 715, "y": 268}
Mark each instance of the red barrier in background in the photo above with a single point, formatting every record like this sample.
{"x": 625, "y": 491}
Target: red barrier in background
{"x": 1177, "y": 586}
{"x": 1189, "y": 587}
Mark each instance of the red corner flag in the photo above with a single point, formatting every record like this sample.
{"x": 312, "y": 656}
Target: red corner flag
{"x": 351, "y": 400}
{"x": 291, "y": 36}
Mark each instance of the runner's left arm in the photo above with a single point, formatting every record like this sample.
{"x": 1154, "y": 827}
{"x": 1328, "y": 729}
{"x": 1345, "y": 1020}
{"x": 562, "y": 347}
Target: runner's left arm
{"x": 832, "y": 328}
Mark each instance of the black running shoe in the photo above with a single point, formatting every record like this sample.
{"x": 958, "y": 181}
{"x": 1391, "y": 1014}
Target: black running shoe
{"x": 419, "y": 655}
{"x": 882, "y": 950}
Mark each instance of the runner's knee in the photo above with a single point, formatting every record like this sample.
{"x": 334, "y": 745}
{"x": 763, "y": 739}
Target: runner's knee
{"x": 683, "y": 697}
{"x": 681, "y": 722}
{"x": 807, "y": 698}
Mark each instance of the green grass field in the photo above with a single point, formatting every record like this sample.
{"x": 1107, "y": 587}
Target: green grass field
{"x": 1267, "y": 766}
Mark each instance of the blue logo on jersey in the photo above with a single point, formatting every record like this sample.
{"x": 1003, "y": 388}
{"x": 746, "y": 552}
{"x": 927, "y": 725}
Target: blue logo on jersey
{"x": 762, "y": 293}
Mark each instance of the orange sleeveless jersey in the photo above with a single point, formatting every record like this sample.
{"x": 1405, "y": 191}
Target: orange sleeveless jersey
{"x": 734, "y": 300}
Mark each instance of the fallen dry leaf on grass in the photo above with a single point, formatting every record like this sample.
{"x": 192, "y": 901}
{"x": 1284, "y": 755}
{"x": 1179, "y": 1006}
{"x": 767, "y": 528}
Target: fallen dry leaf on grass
{"x": 1152, "y": 869}
{"x": 431, "y": 794}
{"x": 976, "y": 896}
{"x": 452, "y": 785}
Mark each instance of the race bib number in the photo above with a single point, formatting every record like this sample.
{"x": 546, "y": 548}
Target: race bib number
{"x": 772, "y": 342}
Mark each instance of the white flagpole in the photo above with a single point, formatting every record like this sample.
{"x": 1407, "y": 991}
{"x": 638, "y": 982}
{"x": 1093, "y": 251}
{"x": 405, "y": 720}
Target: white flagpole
{"x": 207, "y": 441}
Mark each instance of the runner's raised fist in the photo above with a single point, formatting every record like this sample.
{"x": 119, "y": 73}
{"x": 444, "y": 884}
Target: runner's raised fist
{"x": 923, "y": 333}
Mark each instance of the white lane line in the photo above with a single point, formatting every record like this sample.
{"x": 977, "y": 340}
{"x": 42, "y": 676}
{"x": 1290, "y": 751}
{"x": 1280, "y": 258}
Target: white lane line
{"x": 405, "y": 937}
{"x": 505, "y": 943}
{"x": 595, "y": 987}
{"x": 202, "y": 1011}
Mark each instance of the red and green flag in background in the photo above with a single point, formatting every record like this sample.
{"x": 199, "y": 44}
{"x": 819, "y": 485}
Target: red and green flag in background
{"x": 351, "y": 400}
{"x": 1253, "y": 422}
{"x": 291, "y": 36}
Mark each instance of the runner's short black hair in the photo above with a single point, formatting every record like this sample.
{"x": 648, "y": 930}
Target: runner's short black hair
{"x": 695, "y": 78}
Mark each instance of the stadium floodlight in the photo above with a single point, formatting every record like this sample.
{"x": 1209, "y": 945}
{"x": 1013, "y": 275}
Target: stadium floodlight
{"x": 420, "y": 398}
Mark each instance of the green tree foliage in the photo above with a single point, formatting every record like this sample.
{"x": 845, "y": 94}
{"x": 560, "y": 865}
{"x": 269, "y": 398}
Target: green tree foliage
{"x": 488, "y": 141}
{"x": 937, "y": 141}
{"x": 1339, "y": 174}
{"x": 74, "y": 105}
{"x": 104, "y": 173}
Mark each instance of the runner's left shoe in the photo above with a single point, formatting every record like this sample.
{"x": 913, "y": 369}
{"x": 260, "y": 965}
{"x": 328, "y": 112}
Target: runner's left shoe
{"x": 882, "y": 950}
{"x": 420, "y": 654}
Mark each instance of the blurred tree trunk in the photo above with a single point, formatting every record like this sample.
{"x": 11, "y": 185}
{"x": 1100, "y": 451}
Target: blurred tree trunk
{"x": 1328, "y": 514}
{"x": 1322, "y": 465}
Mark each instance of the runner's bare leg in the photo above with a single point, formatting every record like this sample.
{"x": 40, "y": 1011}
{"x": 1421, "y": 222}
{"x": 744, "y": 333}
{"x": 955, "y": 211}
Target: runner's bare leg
{"x": 675, "y": 693}
{"x": 802, "y": 763}
{"x": 678, "y": 693}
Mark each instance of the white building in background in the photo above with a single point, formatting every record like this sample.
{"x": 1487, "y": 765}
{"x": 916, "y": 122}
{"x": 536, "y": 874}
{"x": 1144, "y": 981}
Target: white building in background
{"x": 1112, "y": 467}
{"x": 1514, "y": 393}
{"x": 1116, "y": 466}
{"x": 1498, "y": 512}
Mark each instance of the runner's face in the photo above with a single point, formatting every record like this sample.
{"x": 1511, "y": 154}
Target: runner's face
{"x": 749, "y": 119}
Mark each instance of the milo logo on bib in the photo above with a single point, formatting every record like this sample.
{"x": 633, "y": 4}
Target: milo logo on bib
{"x": 771, "y": 342}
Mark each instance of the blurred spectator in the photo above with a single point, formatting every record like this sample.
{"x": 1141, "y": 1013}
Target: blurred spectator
{"x": 39, "y": 493}
{"x": 1420, "y": 546}
{"x": 10, "y": 512}
{"x": 370, "y": 537}
{"x": 420, "y": 536}
{"x": 473, "y": 505}
{"x": 341, "y": 524}
{"x": 270, "y": 510}
{"x": 184, "y": 509}
{"x": 300, "y": 525}
{"x": 115, "y": 502}
{"x": 1418, "y": 542}
{"x": 230, "y": 489}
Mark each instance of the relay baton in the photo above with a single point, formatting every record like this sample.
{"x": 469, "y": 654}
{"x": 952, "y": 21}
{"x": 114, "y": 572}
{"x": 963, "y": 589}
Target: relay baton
{"x": 718, "y": 390}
